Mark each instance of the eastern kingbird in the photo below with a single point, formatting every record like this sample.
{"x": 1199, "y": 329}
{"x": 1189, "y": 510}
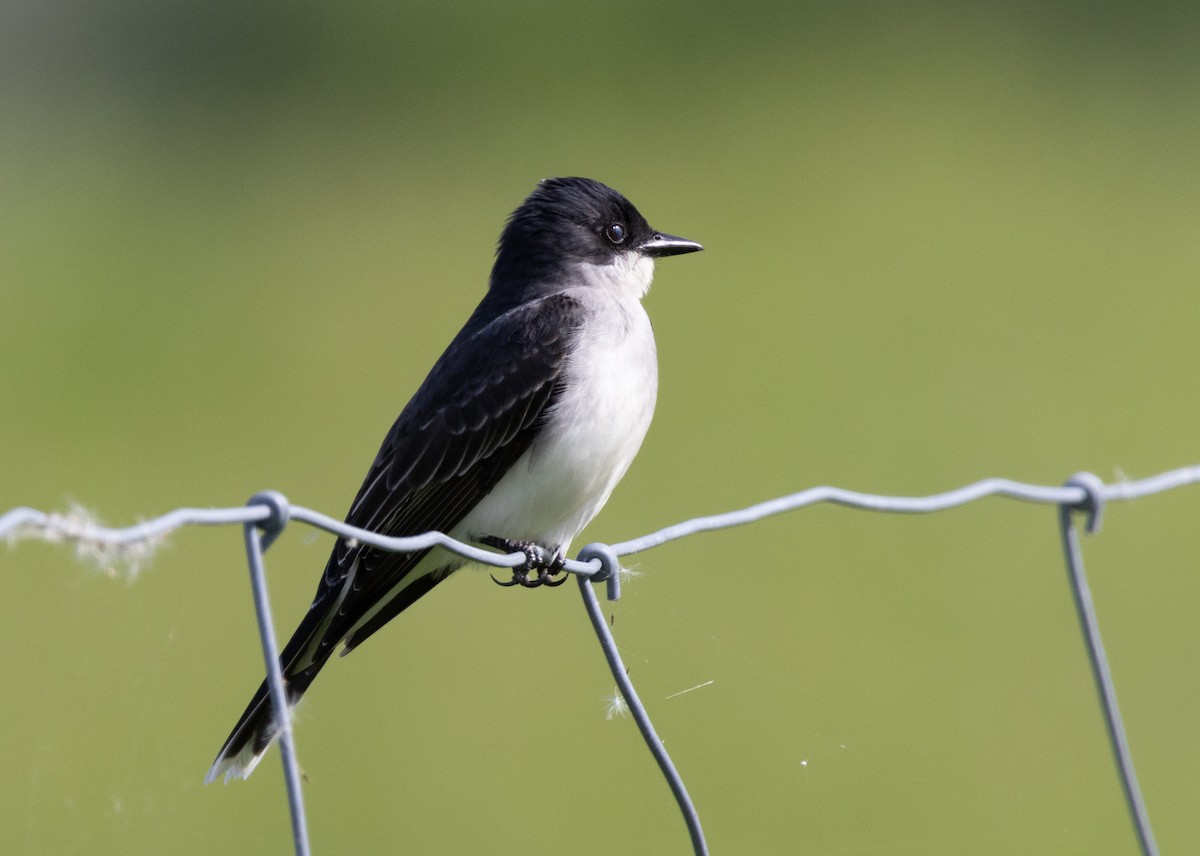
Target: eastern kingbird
{"x": 516, "y": 438}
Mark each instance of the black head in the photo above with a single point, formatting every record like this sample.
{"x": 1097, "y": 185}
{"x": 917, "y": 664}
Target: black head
{"x": 566, "y": 221}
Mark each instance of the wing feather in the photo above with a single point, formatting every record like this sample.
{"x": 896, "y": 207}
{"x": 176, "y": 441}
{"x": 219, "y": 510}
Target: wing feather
{"x": 476, "y": 414}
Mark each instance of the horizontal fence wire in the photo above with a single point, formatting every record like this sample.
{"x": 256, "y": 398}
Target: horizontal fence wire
{"x": 266, "y": 514}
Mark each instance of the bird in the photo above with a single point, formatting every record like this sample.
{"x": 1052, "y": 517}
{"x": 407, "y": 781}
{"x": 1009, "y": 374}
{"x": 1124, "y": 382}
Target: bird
{"x": 515, "y": 439}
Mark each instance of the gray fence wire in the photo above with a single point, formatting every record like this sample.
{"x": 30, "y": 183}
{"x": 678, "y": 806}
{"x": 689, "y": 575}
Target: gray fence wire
{"x": 266, "y": 514}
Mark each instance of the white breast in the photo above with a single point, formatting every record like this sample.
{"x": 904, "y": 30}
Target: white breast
{"x": 597, "y": 424}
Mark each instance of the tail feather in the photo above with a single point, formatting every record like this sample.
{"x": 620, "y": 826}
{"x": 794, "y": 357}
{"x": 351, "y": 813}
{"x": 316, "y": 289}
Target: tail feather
{"x": 257, "y": 730}
{"x": 302, "y": 658}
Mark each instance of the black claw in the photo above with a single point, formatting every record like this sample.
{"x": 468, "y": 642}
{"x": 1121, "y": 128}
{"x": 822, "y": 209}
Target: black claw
{"x": 552, "y": 569}
{"x": 548, "y": 580}
{"x": 523, "y": 573}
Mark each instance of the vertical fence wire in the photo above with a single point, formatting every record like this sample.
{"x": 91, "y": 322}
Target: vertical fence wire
{"x": 1093, "y": 505}
{"x": 610, "y": 570}
{"x": 255, "y": 544}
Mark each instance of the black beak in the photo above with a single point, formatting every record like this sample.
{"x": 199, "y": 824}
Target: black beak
{"x": 667, "y": 245}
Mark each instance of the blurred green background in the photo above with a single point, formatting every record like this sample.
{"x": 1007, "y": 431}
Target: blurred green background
{"x": 943, "y": 241}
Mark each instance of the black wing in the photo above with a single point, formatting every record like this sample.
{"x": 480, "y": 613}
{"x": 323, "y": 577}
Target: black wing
{"x": 474, "y": 416}
{"x": 477, "y": 412}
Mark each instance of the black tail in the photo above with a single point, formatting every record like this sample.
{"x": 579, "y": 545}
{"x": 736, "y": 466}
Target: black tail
{"x": 304, "y": 656}
{"x": 256, "y": 730}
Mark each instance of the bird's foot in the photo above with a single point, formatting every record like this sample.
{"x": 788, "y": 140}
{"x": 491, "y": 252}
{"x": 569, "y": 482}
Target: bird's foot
{"x": 535, "y": 560}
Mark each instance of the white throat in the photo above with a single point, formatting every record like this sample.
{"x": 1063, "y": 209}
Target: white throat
{"x": 627, "y": 276}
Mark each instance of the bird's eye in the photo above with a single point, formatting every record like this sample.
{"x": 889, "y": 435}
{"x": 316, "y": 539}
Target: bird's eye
{"x": 615, "y": 232}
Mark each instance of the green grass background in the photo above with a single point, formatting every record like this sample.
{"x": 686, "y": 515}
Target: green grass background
{"x": 943, "y": 242}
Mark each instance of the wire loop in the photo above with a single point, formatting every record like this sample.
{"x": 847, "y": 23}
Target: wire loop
{"x": 610, "y": 567}
{"x": 280, "y": 513}
{"x": 1093, "y": 499}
